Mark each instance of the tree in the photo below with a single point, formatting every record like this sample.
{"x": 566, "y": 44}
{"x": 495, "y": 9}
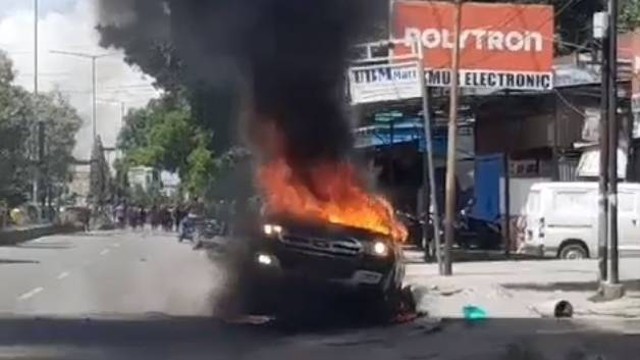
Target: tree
{"x": 202, "y": 167}
{"x": 61, "y": 122}
{"x": 170, "y": 141}
{"x": 100, "y": 177}
{"x": 630, "y": 15}
{"x": 16, "y": 123}
{"x": 19, "y": 113}
{"x": 164, "y": 136}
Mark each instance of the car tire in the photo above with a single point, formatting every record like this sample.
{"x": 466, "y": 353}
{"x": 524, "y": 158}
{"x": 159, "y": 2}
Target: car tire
{"x": 573, "y": 251}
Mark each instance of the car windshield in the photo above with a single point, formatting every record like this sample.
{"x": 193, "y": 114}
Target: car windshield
{"x": 290, "y": 179}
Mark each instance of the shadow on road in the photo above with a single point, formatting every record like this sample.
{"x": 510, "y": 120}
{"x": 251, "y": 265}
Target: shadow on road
{"x": 414, "y": 256}
{"x": 199, "y": 338}
{"x": 47, "y": 246}
{"x": 631, "y": 285}
{"x": 17, "y": 262}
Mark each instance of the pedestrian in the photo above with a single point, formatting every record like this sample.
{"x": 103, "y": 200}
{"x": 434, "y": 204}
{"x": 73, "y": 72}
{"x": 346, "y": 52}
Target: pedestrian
{"x": 154, "y": 215}
{"x": 177, "y": 216}
{"x": 133, "y": 214}
{"x": 142, "y": 216}
{"x": 165, "y": 218}
{"x": 120, "y": 217}
{"x": 85, "y": 218}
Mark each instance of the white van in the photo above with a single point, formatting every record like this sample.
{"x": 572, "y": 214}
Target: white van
{"x": 561, "y": 219}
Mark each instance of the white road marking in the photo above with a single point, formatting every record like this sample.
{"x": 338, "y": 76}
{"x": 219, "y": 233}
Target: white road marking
{"x": 63, "y": 275}
{"x": 30, "y": 294}
{"x": 104, "y": 252}
{"x": 116, "y": 245}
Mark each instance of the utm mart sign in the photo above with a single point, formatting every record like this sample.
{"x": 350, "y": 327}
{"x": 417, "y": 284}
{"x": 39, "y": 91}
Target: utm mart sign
{"x": 501, "y": 45}
{"x": 387, "y": 82}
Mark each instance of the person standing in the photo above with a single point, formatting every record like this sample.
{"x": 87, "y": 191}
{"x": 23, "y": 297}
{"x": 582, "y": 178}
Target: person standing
{"x": 142, "y": 216}
{"x": 177, "y": 216}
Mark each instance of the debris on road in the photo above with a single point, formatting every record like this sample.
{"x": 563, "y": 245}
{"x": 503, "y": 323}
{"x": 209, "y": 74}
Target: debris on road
{"x": 474, "y": 313}
{"x": 554, "y": 309}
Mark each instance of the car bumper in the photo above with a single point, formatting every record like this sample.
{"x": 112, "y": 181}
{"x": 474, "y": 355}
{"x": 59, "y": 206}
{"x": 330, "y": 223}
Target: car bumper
{"x": 362, "y": 279}
{"x": 538, "y": 250}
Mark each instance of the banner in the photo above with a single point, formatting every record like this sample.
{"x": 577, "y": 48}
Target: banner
{"x": 387, "y": 82}
{"x": 501, "y": 45}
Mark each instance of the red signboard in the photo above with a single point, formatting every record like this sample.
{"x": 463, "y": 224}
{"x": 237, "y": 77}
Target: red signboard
{"x": 502, "y": 45}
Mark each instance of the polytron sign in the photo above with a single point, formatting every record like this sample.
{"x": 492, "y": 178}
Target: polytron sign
{"x": 501, "y": 45}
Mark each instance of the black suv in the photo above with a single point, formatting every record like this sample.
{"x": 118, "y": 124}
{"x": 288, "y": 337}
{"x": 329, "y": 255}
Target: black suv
{"x": 289, "y": 258}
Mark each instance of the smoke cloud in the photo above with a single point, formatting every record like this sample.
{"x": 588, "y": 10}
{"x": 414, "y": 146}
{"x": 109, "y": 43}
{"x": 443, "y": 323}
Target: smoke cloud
{"x": 285, "y": 57}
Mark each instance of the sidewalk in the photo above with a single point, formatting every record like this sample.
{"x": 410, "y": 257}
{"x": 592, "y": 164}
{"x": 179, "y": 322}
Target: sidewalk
{"x": 517, "y": 289}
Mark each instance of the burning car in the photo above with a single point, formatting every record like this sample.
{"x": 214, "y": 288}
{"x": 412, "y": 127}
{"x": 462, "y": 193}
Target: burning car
{"x": 320, "y": 236}
{"x": 289, "y": 257}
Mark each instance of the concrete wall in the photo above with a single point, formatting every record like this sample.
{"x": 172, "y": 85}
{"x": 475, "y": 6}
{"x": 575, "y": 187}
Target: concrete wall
{"x": 16, "y": 236}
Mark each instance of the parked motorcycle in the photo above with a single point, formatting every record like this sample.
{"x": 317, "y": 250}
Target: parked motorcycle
{"x": 206, "y": 233}
{"x": 416, "y": 224}
{"x": 188, "y": 228}
{"x": 473, "y": 232}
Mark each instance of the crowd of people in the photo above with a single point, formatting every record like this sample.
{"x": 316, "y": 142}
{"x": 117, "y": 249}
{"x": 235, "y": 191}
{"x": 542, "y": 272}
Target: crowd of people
{"x": 163, "y": 217}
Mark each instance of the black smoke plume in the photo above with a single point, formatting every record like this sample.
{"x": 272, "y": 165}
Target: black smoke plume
{"x": 284, "y": 57}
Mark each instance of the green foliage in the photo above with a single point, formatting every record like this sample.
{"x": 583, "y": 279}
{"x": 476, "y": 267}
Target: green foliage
{"x": 202, "y": 167}
{"x": 630, "y": 14}
{"x": 61, "y": 122}
{"x": 164, "y": 136}
{"x": 19, "y": 114}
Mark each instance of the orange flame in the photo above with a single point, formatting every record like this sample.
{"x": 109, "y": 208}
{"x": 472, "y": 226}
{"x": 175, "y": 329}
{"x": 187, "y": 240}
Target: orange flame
{"x": 337, "y": 198}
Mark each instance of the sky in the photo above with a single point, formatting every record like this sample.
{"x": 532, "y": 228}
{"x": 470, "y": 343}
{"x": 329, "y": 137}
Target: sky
{"x": 68, "y": 25}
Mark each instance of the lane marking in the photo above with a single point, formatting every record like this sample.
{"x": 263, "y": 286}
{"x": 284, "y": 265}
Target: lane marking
{"x": 104, "y": 252}
{"x": 116, "y": 245}
{"x": 30, "y": 294}
{"x": 63, "y": 275}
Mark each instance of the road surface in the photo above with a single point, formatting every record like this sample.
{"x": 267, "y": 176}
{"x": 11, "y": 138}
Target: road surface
{"x": 126, "y": 295}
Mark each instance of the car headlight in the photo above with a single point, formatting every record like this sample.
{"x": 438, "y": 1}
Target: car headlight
{"x": 379, "y": 248}
{"x": 272, "y": 230}
{"x": 267, "y": 260}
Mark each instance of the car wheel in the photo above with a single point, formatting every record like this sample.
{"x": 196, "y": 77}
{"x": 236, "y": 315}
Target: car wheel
{"x": 573, "y": 252}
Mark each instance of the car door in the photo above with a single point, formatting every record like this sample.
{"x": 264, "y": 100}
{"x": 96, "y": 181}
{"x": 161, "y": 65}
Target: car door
{"x": 628, "y": 221}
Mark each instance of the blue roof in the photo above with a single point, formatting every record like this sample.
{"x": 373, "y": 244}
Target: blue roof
{"x": 404, "y": 131}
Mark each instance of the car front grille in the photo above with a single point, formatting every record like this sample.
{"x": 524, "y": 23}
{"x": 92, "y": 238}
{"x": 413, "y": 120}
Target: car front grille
{"x": 343, "y": 247}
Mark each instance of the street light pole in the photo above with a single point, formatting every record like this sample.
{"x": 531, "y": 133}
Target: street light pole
{"x": 450, "y": 186}
{"x": 428, "y": 166}
{"x": 36, "y": 175}
{"x": 35, "y": 49}
{"x": 601, "y": 32}
{"x": 613, "y": 288}
{"x": 94, "y": 121}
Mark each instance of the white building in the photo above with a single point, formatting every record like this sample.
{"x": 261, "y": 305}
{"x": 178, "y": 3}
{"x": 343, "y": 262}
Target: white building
{"x": 142, "y": 176}
{"x": 80, "y": 183}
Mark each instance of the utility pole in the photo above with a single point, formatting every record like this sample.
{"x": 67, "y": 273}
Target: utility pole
{"x": 36, "y": 131}
{"x": 450, "y": 187}
{"x": 613, "y": 288}
{"x": 428, "y": 166}
{"x": 601, "y": 32}
{"x": 94, "y": 80}
{"x": 123, "y": 112}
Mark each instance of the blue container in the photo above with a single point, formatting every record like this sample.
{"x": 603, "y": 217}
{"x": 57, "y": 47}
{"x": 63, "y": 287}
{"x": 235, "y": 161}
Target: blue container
{"x": 474, "y": 313}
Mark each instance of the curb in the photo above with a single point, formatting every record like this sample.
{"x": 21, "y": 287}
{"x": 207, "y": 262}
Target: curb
{"x": 14, "y": 237}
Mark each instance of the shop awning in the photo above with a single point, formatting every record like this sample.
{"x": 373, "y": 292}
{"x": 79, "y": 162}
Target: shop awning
{"x": 401, "y": 132}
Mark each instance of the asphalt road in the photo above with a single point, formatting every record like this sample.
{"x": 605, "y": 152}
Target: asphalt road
{"x": 124, "y": 295}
